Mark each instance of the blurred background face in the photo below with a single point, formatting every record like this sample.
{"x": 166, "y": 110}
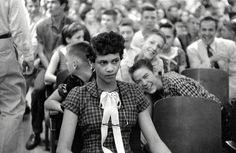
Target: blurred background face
{"x": 33, "y": 7}
{"x": 184, "y": 16}
{"x": 152, "y": 46}
{"x": 181, "y": 28}
{"x": 107, "y": 22}
{"x": 174, "y": 12}
{"x": 91, "y": 15}
{"x": 54, "y": 7}
{"x": 193, "y": 25}
{"x": 169, "y": 37}
{"x": 75, "y": 4}
{"x": 208, "y": 31}
{"x": 160, "y": 14}
{"x": 74, "y": 9}
{"x": 226, "y": 33}
{"x": 149, "y": 19}
{"x": 127, "y": 32}
{"x": 77, "y": 37}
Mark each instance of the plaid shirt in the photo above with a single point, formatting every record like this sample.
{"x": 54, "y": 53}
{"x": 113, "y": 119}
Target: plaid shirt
{"x": 175, "y": 84}
{"x": 84, "y": 102}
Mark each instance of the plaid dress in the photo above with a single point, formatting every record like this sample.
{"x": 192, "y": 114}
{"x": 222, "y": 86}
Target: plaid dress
{"x": 175, "y": 84}
{"x": 84, "y": 102}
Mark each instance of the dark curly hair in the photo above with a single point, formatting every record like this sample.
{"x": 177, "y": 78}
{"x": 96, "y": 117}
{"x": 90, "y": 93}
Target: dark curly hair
{"x": 139, "y": 64}
{"x": 107, "y": 43}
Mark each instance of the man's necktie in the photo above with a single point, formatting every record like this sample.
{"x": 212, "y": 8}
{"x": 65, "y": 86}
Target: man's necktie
{"x": 209, "y": 53}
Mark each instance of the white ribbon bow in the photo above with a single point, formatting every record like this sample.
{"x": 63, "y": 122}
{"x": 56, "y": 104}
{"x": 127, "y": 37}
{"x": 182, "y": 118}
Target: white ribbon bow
{"x": 110, "y": 102}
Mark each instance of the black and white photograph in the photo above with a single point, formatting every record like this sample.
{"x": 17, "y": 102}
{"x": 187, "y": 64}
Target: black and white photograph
{"x": 117, "y": 76}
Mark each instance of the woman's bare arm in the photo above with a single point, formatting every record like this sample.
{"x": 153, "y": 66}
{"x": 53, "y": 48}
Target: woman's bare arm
{"x": 67, "y": 132}
{"x": 154, "y": 141}
{"x": 53, "y": 102}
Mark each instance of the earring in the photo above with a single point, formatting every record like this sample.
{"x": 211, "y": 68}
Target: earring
{"x": 92, "y": 68}
{"x": 75, "y": 67}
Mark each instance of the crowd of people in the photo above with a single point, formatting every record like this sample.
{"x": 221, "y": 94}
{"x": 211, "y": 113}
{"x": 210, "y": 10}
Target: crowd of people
{"x": 117, "y": 57}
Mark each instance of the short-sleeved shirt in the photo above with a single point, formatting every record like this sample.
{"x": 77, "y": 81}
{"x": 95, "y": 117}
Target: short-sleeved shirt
{"x": 84, "y": 102}
{"x": 175, "y": 84}
{"x": 49, "y": 35}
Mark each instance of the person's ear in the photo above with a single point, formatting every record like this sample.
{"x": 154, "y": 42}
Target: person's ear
{"x": 92, "y": 66}
{"x": 67, "y": 40}
{"x": 75, "y": 64}
{"x": 63, "y": 6}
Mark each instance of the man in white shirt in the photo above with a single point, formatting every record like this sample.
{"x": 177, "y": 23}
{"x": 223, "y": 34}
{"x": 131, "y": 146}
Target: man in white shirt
{"x": 212, "y": 52}
{"x": 14, "y": 43}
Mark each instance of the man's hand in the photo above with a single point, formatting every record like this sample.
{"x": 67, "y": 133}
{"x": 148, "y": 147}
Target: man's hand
{"x": 219, "y": 57}
{"x": 28, "y": 67}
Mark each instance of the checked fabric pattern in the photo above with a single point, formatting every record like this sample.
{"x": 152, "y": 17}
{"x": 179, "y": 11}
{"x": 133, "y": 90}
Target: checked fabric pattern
{"x": 84, "y": 102}
{"x": 175, "y": 84}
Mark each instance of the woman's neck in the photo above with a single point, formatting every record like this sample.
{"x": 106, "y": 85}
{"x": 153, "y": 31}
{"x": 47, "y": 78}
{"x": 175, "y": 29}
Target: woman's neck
{"x": 111, "y": 86}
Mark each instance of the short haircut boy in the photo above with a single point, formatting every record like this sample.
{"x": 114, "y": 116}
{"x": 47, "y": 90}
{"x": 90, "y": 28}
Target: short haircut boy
{"x": 81, "y": 50}
{"x": 107, "y": 43}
